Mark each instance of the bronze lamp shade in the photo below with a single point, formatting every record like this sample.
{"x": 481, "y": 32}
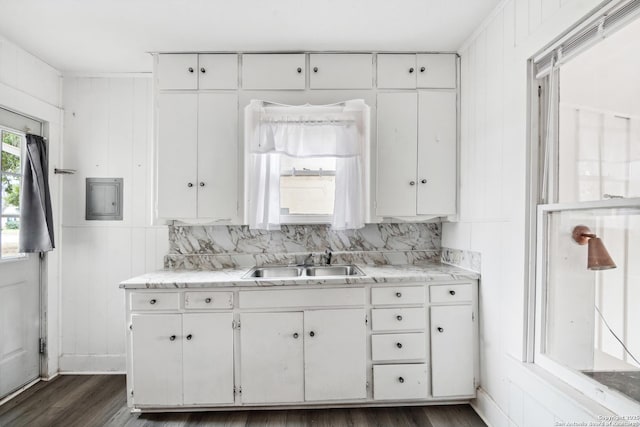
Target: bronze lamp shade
{"x": 598, "y": 257}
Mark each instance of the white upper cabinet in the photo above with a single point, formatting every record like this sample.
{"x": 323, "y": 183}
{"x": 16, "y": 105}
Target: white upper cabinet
{"x": 396, "y": 71}
{"x": 437, "y": 70}
{"x": 273, "y": 71}
{"x": 340, "y": 71}
{"x": 190, "y": 71}
{"x": 218, "y": 71}
{"x": 178, "y": 71}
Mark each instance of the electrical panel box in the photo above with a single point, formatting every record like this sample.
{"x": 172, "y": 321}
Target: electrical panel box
{"x": 104, "y": 199}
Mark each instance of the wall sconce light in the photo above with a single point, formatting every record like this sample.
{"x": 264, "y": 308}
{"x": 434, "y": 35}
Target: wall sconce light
{"x": 598, "y": 257}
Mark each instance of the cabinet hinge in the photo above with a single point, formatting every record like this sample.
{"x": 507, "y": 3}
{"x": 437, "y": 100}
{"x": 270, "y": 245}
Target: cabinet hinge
{"x": 235, "y": 324}
{"x": 42, "y": 345}
{"x": 539, "y": 91}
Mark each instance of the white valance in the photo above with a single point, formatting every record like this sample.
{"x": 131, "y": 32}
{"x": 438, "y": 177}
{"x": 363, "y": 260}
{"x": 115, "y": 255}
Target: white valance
{"x": 337, "y": 130}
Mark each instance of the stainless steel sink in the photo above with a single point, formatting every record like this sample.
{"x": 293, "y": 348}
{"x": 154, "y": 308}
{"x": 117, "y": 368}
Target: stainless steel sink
{"x": 333, "y": 270}
{"x": 274, "y": 272}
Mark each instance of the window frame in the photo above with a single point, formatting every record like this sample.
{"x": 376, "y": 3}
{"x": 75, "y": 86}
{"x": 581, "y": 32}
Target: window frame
{"x": 19, "y": 176}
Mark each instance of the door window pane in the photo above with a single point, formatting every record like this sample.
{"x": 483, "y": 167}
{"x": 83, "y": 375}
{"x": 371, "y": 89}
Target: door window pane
{"x": 9, "y": 237}
{"x": 11, "y": 152}
{"x": 10, "y": 195}
{"x": 10, "y": 184}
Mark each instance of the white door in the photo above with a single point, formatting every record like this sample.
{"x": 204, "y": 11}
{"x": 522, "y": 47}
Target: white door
{"x": 397, "y": 148}
{"x": 273, "y": 71}
{"x": 177, "y": 155}
{"x": 271, "y": 357}
{"x": 157, "y": 359}
{"x": 19, "y": 274}
{"x": 218, "y": 156}
{"x": 218, "y": 71}
{"x": 335, "y": 354}
{"x": 437, "y": 70}
{"x": 396, "y": 71}
{"x": 437, "y": 148}
{"x": 178, "y": 71}
{"x": 207, "y": 342}
{"x": 452, "y": 351}
{"x": 340, "y": 71}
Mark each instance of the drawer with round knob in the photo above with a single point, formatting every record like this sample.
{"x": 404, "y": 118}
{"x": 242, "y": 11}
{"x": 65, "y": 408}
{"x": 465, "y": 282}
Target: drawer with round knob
{"x": 397, "y": 295}
{"x": 450, "y": 293}
{"x": 155, "y": 301}
{"x": 398, "y": 347}
{"x": 398, "y": 319}
{"x": 408, "y": 381}
{"x": 208, "y": 300}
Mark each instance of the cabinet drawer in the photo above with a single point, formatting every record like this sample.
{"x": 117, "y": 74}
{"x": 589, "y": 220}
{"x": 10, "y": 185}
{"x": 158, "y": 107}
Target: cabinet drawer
{"x": 340, "y": 71}
{"x": 155, "y": 301}
{"x": 218, "y": 71}
{"x": 436, "y": 70}
{"x": 273, "y": 71}
{"x": 400, "y": 382}
{"x": 302, "y": 298}
{"x": 398, "y": 346}
{"x": 204, "y": 300}
{"x": 178, "y": 71}
{"x": 450, "y": 293}
{"x": 398, "y": 295}
{"x": 397, "y": 71}
{"x": 398, "y": 319}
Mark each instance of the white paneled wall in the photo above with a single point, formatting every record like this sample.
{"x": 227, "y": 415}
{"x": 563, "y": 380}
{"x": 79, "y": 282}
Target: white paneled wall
{"x": 31, "y": 87}
{"x": 107, "y": 134}
{"x": 493, "y": 185}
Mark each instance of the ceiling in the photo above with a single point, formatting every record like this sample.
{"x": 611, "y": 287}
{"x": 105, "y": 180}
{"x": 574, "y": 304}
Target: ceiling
{"x": 103, "y": 36}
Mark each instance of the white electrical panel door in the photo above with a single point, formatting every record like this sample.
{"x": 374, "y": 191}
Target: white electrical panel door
{"x": 452, "y": 351}
{"x": 207, "y": 341}
{"x": 437, "y": 153}
{"x": 437, "y": 70}
{"x": 340, "y": 71}
{"x": 271, "y": 357}
{"x": 217, "y": 156}
{"x": 157, "y": 359}
{"x": 335, "y": 354}
{"x": 177, "y": 71}
{"x": 176, "y": 173}
{"x": 396, "y": 71}
{"x": 397, "y": 148}
{"x": 218, "y": 71}
{"x": 273, "y": 71}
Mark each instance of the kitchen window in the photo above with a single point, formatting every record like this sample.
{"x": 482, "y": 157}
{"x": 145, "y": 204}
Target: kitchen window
{"x": 584, "y": 326}
{"x": 11, "y": 178}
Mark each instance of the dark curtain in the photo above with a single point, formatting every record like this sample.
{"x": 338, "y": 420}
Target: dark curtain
{"x": 36, "y": 222}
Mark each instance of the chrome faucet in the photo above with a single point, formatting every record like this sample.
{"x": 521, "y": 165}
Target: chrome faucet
{"x": 327, "y": 257}
{"x": 308, "y": 260}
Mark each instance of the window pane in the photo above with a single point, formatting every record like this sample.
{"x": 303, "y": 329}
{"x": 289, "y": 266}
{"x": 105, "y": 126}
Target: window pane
{"x": 599, "y": 120}
{"x": 307, "y": 185}
{"x": 9, "y": 238}
{"x": 10, "y": 195}
{"x": 582, "y": 304}
{"x": 11, "y": 152}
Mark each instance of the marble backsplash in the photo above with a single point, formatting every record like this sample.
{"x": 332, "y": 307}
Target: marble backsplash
{"x": 469, "y": 260}
{"x": 214, "y": 247}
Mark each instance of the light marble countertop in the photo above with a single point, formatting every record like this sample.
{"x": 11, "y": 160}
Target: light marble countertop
{"x": 179, "y": 279}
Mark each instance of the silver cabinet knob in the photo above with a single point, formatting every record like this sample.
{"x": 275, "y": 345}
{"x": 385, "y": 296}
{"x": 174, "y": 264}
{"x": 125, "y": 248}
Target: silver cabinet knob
{"x": 201, "y": 184}
{"x": 452, "y": 292}
{"x": 399, "y": 294}
{"x": 296, "y": 335}
{"x": 190, "y": 69}
{"x": 423, "y": 69}
{"x": 315, "y": 69}
{"x": 424, "y": 181}
{"x": 312, "y": 334}
{"x": 410, "y": 70}
{"x": 440, "y": 329}
{"x": 189, "y": 184}
{"x": 399, "y": 345}
{"x": 172, "y": 338}
{"x": 400, "y": 379}
{"x": 207, "y": 300}
{"x": 153, "y": 301}
{"x": 189, "y": 337}
{"x": 203, "y": 70}
{"x": 412, "y": 183}
{"x": 399, "y": 318}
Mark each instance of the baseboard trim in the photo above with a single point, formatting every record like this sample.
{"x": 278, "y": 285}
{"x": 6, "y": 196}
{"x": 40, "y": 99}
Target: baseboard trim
{"x": 92, "y": 363}
{"x": 488, "y": 409}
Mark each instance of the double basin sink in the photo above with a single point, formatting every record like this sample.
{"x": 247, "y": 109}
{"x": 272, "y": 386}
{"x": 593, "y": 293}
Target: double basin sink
{"x": 272, "y": 272}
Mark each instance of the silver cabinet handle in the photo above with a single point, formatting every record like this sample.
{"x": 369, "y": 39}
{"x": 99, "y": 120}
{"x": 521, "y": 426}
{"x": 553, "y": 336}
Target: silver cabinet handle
{"x": 424, "y": 181}
{"x": 172, "y": 338}
{"x": 399, "y": 345}
{"x": 440, "y": 329}
{"x": 295, "y": 335}
{"x": 400, "y": 379}
{"x": 412, "y": 183}
{"x": 399, "y": 318}
{"x": 201, "y": 184}
{"x": 399, "y": 294}
{"x": 153, "y": 301}
{"x": 189, "y": 337}
{"x": 189, "y": 184}
{"x": 207, "y": 300}
{"x": 190, "y": 69}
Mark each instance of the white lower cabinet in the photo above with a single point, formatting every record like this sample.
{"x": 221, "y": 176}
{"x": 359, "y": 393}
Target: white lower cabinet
{"x": 303, "y": 356}
{"x": 182, "y": 359}
{"x": 452, "y": 351}
{"x": 400, "y": 382}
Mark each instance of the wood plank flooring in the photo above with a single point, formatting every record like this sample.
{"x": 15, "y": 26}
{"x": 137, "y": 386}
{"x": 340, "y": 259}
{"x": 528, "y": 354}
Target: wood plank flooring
{"x": 99, "y": 400}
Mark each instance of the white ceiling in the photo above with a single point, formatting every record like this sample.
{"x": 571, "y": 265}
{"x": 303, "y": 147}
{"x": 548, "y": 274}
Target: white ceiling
{"x": 95, "y": 36}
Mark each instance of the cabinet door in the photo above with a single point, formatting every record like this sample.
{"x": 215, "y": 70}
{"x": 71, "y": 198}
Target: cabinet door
{"x": 271, "y": 357}
{"x": 273, "y": 71}
{"x": 208, "y": 358}
{"x": 217, "y": 155}
{"x": 177, "y": 71}
{"x": 396, "y": 71}
{"x": 218, "y": 71}
{"x": 157, "y": 359}
{"x": 176, "y": 174}
{"x": 452, "y": 351}
{"x": 335, "y": 354}
{"x": 341, "y": 71}
{"x": 437, "y": 70}
{"x": 397, "y": 147}
{"x": 437, "y": 153}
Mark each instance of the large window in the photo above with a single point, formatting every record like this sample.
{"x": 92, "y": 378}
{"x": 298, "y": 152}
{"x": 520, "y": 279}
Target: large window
{"x": 11, "y": 177}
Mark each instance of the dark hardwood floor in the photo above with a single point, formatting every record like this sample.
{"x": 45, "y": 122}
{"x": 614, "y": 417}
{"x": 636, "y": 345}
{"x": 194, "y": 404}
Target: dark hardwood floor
{"x": 99, "y": 400}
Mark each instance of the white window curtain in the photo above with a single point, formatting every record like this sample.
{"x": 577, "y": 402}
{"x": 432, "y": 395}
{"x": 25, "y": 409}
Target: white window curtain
{"x": 338, "y": 130}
